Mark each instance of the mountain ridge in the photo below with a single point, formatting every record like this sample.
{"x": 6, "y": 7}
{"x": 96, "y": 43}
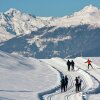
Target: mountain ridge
{"x": 47, "y": 37}
{"x": 15, "y": 22}
{"x": 63, "y": 42}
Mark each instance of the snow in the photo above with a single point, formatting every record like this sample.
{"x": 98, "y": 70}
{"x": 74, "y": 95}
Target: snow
{"x": 90, "y": 87}
{"x": 94, "y": 97}
{"x": 16, "y": 22}
{"x": 28, "y": 78}
{"x": 23, "y": 78}
{"x": 31, "y": 79}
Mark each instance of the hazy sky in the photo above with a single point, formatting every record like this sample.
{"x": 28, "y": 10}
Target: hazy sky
{"x": 47, "y": 7}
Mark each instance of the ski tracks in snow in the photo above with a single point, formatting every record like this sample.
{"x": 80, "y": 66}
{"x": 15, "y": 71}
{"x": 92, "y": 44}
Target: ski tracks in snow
{"x": 70, "y": 94}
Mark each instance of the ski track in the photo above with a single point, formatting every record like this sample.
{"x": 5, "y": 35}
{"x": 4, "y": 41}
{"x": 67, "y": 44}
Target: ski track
{"x": 52, "y": 97}
{"x": 70, "y": 94}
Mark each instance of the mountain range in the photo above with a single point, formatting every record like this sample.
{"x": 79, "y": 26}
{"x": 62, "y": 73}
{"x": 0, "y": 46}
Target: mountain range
{"x": 46, "y": 37}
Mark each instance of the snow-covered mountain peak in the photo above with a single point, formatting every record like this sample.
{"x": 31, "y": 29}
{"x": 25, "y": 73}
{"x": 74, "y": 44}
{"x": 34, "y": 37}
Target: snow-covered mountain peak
{"x": 87, "y": 10}
{"x": 16, "y": 22}
{"x": 90, "y": 8}
{"x": 12, "y": 12}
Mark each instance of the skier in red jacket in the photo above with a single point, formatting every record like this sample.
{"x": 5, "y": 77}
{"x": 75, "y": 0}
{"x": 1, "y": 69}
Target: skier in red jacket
{"x": 89, "y": 63}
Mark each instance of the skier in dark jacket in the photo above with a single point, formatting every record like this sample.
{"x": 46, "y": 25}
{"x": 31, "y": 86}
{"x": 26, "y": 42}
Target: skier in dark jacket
{"x": 79, "y": 83}
{"x": 68, "y": 64}
{"x": 76, "y": 84}
{"x": 62, "y": 84}
{"x": 66, "y": 82}
{"x": 72, "y": 64}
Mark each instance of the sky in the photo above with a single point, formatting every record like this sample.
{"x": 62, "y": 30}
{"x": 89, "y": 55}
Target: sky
{"x": 47, "y": 7}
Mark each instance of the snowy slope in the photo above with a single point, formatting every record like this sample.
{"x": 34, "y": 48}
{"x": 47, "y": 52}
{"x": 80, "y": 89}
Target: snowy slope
{"x": 23, "y": 78}
{"x": 90, "y": 85}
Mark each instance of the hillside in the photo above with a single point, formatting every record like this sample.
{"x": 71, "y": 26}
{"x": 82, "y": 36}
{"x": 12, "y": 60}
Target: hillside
{"x": 24, "y": 78}
{"x": 39, "y": 79}
{"x": 63, "y": 42}
{"x": 47, "y": 37}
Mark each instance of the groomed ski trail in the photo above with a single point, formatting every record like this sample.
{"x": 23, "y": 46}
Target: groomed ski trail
{"x": 70, "y": 94}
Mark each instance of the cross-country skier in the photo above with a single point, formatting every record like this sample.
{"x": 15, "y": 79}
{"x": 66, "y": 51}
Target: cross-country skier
{"x": 79, "y": 83}
{"x": 68, "y": 64}
{"x": 89, "y": 63}
{"x": 66, "y": 82}
{"x": 76, "y": 84}
{"x": 62, "y": 84}
{"x": 72, "y": 64}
